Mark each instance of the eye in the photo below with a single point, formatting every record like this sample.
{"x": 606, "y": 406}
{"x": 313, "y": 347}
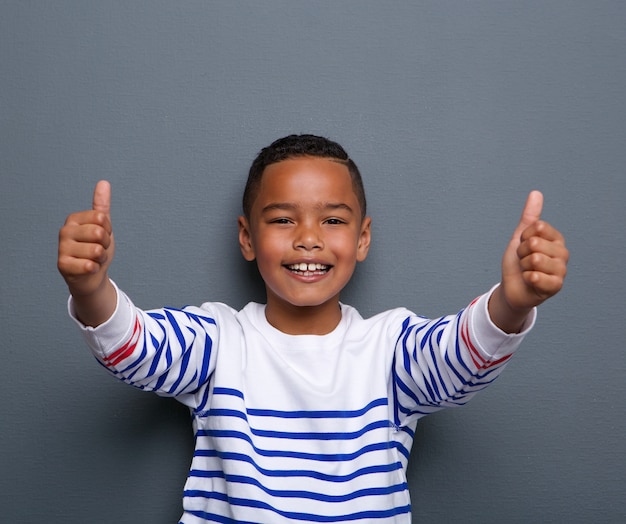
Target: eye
{"x": 280, "y": 220}
{"x": 334, "y": 221}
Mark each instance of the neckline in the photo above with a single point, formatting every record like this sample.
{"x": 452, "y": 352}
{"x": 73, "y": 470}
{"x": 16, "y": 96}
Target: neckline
{"x": 295, "y": 342}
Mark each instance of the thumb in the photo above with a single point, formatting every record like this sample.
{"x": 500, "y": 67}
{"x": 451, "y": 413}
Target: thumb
{"x": 102, "y": 197}
{"x": 531, "y": 213}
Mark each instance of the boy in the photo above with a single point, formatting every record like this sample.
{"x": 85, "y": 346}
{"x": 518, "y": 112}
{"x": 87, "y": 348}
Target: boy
{"x": 303, "y": 410}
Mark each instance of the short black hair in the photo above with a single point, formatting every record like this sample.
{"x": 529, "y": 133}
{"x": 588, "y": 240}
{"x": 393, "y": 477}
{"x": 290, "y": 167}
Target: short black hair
{"x": 295, "y": 146}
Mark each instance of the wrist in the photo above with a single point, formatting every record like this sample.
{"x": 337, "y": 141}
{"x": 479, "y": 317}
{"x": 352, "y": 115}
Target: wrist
{"x": 508, "y": 318}
{"x": 96, "y": 307}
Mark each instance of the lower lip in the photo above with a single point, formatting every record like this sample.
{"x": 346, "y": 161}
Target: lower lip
{"x": 308, "y": 276}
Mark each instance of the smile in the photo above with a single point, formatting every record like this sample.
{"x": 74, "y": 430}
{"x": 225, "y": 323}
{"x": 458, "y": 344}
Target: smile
{"x": 305, "y": 269}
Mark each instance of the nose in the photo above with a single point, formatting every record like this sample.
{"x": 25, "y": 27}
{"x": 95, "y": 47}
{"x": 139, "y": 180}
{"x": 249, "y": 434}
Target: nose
{"x": 308, "y": 237}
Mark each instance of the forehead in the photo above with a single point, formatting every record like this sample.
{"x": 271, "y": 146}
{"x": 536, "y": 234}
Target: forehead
{"x": 306, "y": 180}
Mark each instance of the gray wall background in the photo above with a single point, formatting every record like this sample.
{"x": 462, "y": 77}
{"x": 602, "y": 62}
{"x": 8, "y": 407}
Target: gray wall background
{"x": 453, "y": 110}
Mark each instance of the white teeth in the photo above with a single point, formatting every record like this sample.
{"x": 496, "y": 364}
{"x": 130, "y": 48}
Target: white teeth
{"x": 303, "y": 266}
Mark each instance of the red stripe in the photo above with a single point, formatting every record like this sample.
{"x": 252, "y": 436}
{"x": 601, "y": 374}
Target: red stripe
{"x": 477, "y": 358}
{"x": 499, "y": 361}
{"x": 127, "y": 349}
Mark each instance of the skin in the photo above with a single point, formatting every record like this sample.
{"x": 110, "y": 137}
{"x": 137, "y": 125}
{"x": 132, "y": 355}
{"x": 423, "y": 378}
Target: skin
{"x": 86, "y": 249}
{"x": 306, "y": 212}
{"x": 534, "y": 266}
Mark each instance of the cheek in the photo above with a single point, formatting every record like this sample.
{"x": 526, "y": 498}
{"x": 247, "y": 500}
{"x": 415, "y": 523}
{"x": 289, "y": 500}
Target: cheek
{"x": 343, "y": 245}
{"x": 268, "y": 252}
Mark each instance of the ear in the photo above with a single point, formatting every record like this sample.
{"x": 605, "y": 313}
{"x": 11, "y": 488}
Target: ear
{"x": 365, "y": 238}
{"x": 245, "y": 239}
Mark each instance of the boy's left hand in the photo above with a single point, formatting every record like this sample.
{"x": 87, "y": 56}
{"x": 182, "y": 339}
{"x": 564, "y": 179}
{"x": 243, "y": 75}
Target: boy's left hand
{"x": 535, "y": 261}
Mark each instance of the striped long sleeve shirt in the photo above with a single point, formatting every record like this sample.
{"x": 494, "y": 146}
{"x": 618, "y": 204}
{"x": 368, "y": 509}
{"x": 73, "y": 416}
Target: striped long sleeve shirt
{"x": 302, "y": 428}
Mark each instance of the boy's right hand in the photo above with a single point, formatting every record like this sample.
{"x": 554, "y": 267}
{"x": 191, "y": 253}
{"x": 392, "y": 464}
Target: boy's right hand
{"x": 86, "y": 248}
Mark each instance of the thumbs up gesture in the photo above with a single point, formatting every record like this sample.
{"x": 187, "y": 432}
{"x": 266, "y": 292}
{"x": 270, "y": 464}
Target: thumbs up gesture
{"x": 533, "y": 267}
{"x": 86, "y": 249}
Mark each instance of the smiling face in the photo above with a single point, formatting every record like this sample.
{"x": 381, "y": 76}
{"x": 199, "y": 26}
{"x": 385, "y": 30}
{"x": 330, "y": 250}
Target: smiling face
{"x": 306, "y": 233}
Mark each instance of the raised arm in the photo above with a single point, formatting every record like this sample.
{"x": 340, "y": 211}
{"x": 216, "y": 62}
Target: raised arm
{"x": 86, "y": 248}
{"x": 444, "y": 362}
{"x": 533, "y": 268}
{"x": 169, "y": 351}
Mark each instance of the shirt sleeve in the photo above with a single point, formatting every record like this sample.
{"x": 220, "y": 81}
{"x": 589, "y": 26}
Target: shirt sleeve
{"x": 110, "y": 333}
{"x": 444, "y": 362}
{"x": 169, "y": 351}
{"x": 489, "y": 341}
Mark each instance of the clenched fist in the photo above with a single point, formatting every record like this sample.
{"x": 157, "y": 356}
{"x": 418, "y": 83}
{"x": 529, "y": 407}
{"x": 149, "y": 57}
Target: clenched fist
{"x": 86, "y": 248}
{"x": 534, "y": 266}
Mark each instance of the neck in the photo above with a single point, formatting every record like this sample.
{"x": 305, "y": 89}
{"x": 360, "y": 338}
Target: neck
{"x": 303, "y": 320}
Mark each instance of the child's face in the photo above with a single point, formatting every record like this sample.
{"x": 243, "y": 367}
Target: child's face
{"x": 305, "y": 231}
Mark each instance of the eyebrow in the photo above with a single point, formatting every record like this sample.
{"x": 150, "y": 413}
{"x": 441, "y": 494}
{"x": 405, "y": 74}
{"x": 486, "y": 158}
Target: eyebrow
{"x": 288, "y": 206}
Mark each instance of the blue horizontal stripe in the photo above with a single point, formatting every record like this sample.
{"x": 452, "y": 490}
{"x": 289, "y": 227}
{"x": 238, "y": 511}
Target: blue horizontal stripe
{"x": 228, "y": 391}
{"x": 220, "y": 412}
{"x": 279, "y": 493}
{"x": 372, "y": 514}
{"x": 322, "y": 435}
{"x": 290, "y": 435}
{"x": 318, "y": 414}
{"x": 323, "y": 457}
{"x": 302, "y": 413}
{"x": 382, "y": 468}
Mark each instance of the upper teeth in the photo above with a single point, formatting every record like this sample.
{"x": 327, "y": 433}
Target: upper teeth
{"x": 303, "y": 266}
